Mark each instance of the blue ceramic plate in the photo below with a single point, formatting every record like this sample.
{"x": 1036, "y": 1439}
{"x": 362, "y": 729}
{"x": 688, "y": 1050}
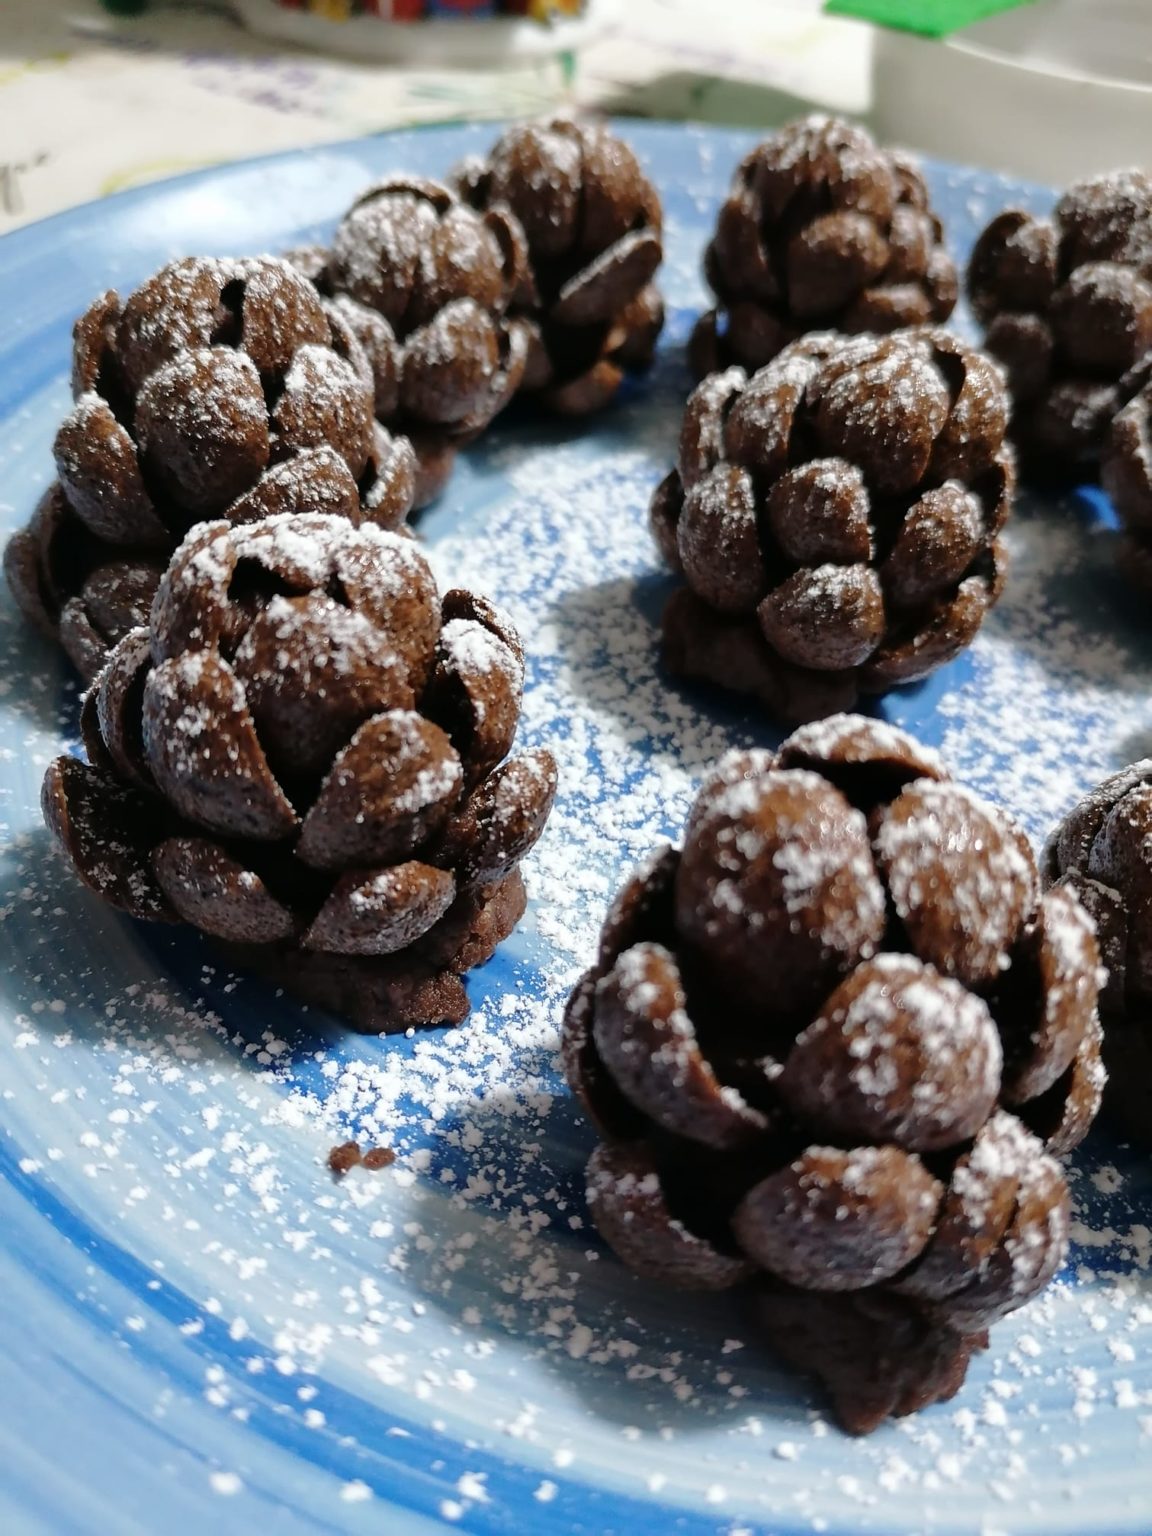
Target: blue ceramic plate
{"x": 201, "y": 1331}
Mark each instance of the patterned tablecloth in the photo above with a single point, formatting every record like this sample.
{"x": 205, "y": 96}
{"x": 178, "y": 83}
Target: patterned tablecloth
{"x": 90, "y": 104}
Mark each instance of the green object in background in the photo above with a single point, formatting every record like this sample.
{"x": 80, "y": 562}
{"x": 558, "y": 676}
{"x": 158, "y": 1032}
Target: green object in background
{"x": 125, "y": 7}
{"x": 931, "y": 18}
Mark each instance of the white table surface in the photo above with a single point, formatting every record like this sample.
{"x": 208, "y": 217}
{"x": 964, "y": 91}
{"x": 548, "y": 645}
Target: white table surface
{"x": 90, "y": 104}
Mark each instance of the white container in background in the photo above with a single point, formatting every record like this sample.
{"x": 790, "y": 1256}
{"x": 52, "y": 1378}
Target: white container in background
{"x": 480, "y": 43}
{"x": 1053, "y": 90}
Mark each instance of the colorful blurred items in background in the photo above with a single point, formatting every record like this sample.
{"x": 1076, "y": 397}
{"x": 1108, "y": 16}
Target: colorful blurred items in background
{"x": 414, "y": 10}
{"x": 542, "y": 10}
{"x": 460, "y": 7}
{"x": 439, "y": 35}
{"x": 402, "y": 10}
{"x": 388, "y": 10}
{"x": 931, "y": 18}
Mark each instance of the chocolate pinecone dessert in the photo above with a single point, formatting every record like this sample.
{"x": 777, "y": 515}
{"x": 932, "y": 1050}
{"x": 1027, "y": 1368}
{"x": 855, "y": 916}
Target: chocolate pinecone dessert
{"x": 826, "y": 1045}
{"x": 821, "y": 230}
{"x": 1066, "y": 304}
{"x": 1126, "y": 469}
{"x": 305, "y": 756}
{"x": 1103, "y": 852}
{"x": 836, "y": 518}
{"x": 220, "y": 388}
{"x": 593, "y": 225}
{"x": 425, "y": 282}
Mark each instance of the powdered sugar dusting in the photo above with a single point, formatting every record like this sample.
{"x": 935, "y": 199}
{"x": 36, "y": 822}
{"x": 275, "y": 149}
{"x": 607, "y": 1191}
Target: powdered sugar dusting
{"x": 837, "y": 739}
{"x": 917, "y": 1052}
{"x": 474, "y": 651}
{"x": 1117, "y": 207}
{"x": 941, "y": 844}
{"x": 352, "y": 642}
{"x": 456, "y": 1312}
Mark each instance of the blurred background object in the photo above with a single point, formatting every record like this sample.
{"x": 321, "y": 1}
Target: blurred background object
{"x": 432, "y": 32}
{"x": 929, "y": 18}
{"x": 1054, "y": 90}
{"x": 99, "y": 96}
{"x": 92, "y": 102}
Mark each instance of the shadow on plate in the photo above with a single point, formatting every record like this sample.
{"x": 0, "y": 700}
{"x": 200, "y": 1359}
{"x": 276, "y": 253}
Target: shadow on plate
{"x": 650, "y": 1360}
{"x": 40, "y": 686}
{"x": 656, "y": 396}
{"x": 1067, "y": 605}
{"x": 533, "y": 1277}
{"x": 609, "y": 637}
{"x": 609, "y": 634}
{"x": 550, "y": 1287}
{"x": 64, "y": 952}
{"x": 1134, "y": 749}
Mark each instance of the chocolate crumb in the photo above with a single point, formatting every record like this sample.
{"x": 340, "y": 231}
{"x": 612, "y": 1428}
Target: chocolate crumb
{"x": 348, "y": 1155}
{"x": 343, "y": 1157}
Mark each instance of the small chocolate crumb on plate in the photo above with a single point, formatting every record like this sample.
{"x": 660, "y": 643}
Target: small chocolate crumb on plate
{"x": 345, "y": 1156}
{"x": 349, "y": 1155}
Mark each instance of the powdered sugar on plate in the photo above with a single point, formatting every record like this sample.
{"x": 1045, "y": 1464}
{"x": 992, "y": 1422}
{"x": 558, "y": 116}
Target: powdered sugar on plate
{"x": 453, "y": 1321}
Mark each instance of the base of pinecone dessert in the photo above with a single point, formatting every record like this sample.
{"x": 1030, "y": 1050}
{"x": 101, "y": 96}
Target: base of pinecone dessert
{"x": 745, "y": 336}
{"x": 1043, "y": 455}
{"x": 1134, "y": 559}
{"x": 435, "y": 461}
{"x": 876, "y": 1356}
{"x": 1059, "y": 442}
{"x": 436, "y": 447}
{"x": 388, "y": 994}
{"x": 576, "y": 371}
{"x": 702, "y": 645}
{"x": 76, "y": 593}
{"x": 1127, "y": 1052}
{"x": 1126, "y": 473}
